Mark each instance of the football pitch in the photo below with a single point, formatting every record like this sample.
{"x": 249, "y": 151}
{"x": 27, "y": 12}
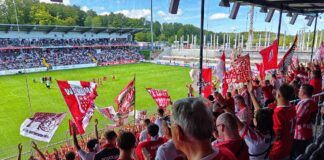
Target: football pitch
{"x": 15, "y": 107}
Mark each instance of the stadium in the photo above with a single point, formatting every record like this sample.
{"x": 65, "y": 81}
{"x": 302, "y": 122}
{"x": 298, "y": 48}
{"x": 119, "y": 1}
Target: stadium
{"x": 128, "y": 80}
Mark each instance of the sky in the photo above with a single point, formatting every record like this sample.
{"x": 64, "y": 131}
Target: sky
{"x": 216, "y": 17}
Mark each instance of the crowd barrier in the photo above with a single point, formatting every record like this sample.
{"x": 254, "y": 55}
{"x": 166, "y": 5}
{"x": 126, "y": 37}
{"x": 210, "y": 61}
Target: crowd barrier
{"x": 74, "y": 66}
{"x": 20, "y": 71}
{"x": 117, "y": 62}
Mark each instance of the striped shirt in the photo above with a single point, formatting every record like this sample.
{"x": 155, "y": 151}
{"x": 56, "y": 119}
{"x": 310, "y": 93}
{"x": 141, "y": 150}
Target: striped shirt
{"x": 305, "y": 112}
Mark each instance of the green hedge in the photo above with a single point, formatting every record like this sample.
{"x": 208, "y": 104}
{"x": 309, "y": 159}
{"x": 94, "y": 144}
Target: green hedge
{"x": 146, "y": 53}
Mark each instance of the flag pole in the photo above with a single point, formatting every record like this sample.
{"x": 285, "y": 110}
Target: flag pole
{"x": 202, "y": 12}
{"x": 134, "y": 99}
{"x": 314, "y": 37}
{"x": 25, "y": 73}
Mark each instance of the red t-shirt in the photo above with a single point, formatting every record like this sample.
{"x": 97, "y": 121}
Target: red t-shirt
{"x": 237, "y": 147}
{"x": 230, "y": 104}
{"x": 150, "y": 146}
{"x": 317, "y": 84}
{"x": 284, "y": 120}
{"x": 224, "y": 154}
{"x": 305, "y": 112}
{"x": 267, "y": 92}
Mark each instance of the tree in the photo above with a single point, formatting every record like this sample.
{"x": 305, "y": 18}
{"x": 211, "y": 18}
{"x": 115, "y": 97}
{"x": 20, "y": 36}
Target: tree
{"x": 96, "y": 21}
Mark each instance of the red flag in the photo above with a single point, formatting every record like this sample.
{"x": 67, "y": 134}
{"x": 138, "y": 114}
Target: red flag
{"x": 161, "y": 97}
{"x": 224, "y": 88}
{"x": 261, "y": 70}
{"x": 79, "y": 97}
{"x": 242, "y": 69}
{"x": 207, "y": 82}
{"x": 126, "y": 98}
{"x": 286, "y": 60}
{"x": 270, "y": 56}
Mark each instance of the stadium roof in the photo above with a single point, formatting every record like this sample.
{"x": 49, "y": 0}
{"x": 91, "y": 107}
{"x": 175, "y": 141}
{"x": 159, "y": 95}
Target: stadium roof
{"x": 66, "y": 29}
{"x": 296, "y": 6}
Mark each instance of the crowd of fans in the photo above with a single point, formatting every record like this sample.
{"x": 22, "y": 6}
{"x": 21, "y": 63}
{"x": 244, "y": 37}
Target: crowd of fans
{"x": 33, "y": 58}
{"x": 48, "y": 42}
{"x": 258, "y": 121}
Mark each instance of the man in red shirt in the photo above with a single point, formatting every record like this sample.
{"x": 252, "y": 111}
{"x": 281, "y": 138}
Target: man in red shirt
{"x": 267, "y": 93}
{"x": 192, "y": 127}
{"x": 228, "y": 136}
{"x": 150, "y": 146}
{"x": 230, "y": 105}
{"x": 305, "y": 115}
{"x": 284, "y": 120}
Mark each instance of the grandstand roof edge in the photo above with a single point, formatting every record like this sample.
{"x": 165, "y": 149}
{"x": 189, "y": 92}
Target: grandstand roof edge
{"x": 66, "y": 29}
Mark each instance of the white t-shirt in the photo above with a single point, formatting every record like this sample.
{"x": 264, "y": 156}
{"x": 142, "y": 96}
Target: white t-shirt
{"x": 256, "y": 142}
{"x": 86, "y": 156}
{"x": 143, "y": 135}
{"x": 158, "y": 122}
{"x": 167, "y": 151}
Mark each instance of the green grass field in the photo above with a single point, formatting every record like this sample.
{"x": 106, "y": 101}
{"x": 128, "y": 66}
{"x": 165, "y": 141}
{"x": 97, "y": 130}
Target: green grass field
{"x": 15, "y": 108}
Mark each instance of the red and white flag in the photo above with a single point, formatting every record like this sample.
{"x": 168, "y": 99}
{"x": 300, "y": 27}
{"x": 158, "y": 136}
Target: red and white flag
{"x": 242, "y": 69}
{"x": 286, "y": 60}
{"x": 126, "y": 98}
{"x": 206, "y": 89}
{"x": 140, "y": 115}
{"x": 108, "y": 112}
{"x": 79, "y": 97}
{"x": 319, "y": 55}
{"x": 220, "y": 68}
{"x": 261, "y": 70}
{"x": 161, "y": 97}
{"x": 41, "y": 126}
{"x": 270, "y": 56}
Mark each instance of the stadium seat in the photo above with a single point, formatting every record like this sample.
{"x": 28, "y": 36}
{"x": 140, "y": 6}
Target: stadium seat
{"x": 310, "y": 149}
{"x": 315, "y": 155}
{"x": 301, "y": 157}
{"x": 319, "y": 139}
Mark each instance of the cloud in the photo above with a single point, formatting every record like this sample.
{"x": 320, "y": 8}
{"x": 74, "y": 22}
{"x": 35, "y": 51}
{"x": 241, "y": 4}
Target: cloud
{"x": 104, "y": 13}
{"x": 166, "y": 16}
{"x": 135, "y": 13}
{"x": 65, "y": 2}
{"x": 218, "y": 16}
{"x": 85, "y": 8}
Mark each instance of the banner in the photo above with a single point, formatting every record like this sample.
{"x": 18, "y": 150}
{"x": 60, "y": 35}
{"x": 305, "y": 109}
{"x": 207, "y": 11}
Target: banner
{"x": 79, "y": 97}
{"x": 126, "y": 98}
{"x": 270, "y": 56}
{"x": 41, "y": 126}
{"x": 286, "y": 60}
{"x": 161, "y": 97}
{"x": 242, "y": 69}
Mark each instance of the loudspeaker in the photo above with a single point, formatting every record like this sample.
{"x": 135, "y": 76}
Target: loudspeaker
{"x": 293, "y": 19}
{"x": 235, "y": 10}
{"x": 269, "y": 15}
{"x": 310, "y": 20}
{"x": 174, "y": 4}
